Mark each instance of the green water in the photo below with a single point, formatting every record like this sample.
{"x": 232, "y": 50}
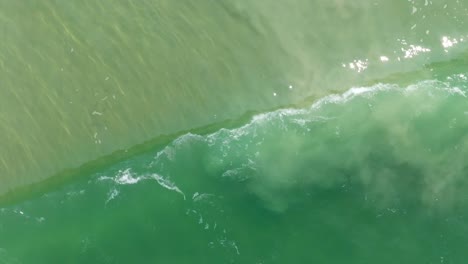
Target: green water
{"x": 81, "y": 80}
{"x": 377, "y": 174}
{"x": 233, "y": 132}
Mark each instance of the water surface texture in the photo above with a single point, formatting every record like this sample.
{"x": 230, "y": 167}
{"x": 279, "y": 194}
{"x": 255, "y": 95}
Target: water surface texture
{"x": 376, "y": 174}
{"x": 81, "y": 79}
{"x": 233, "y": 131}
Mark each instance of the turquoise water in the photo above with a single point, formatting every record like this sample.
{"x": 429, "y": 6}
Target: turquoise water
{"x": 376, "y": 174}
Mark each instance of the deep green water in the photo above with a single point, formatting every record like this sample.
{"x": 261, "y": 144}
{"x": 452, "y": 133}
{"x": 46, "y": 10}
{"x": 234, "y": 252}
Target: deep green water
{"x": 233, "y": 131}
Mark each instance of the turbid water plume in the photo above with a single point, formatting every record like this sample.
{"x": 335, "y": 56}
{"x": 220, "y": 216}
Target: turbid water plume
{"x": 81, "y": 80}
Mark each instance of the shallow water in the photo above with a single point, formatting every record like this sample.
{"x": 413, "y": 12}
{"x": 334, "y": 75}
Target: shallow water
{"x": 82, "y": 80}
{"x": 233, "y": 132}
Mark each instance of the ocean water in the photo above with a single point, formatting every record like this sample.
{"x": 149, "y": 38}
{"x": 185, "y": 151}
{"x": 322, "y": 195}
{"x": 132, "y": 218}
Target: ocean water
{"x": 82, "y": 80}
{"x": 233, "y": 132}
{"x": 375, "y": 174}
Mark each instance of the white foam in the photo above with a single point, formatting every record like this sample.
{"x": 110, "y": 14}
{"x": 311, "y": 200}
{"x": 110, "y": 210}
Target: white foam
{"x": 166, "y": 152}
{"x": 167, "y": 184}
{"x": 352, "y": 93}
{"x": 456, "y": 90}
{"x": 112, "y": 194}
{"x": 231, "y": 148}
{"x": 199, "y": 197}
{"x": 186, "y": 138}
{"x": 298, "y": 116}
{"x": 125, "y": 177}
